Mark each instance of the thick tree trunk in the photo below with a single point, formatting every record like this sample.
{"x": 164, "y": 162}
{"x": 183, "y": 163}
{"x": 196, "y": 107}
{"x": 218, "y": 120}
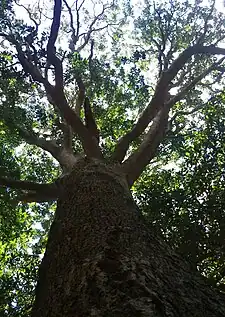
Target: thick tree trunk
{"x": 101, "y": 260}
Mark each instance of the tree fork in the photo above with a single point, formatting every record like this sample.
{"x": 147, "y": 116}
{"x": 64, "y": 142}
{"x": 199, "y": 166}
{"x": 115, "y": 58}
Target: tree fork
{"x": 101, "y": 260}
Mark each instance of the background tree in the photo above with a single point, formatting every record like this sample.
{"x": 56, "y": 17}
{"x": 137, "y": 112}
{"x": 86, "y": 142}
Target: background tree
{"x": 102, "y": 110}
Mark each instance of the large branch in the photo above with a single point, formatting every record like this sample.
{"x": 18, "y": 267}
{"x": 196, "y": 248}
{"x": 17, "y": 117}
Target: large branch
{"x": 37, "y": 197}
{"x": 33, "y": 191}
{"x": 51, "y": 50}
{"x": 24, "y": 185}
{"x": 67, "y": 137}
{"x": 160, "y": 96}
{"x": 89, "y": 142}
{"x": 90, "y": 120}
{"x": 57, "y": 97}
{"x": 63, "y": 154}
{"x": 47, "y": 145}
{"x": 137, "y": 161}
{"x": 190, "y": 51}
{"x": 74, "y": 36}
{"x": 194, "y": 82}
{"x": 81, "y": 95}
{"x": 195, "y": 109}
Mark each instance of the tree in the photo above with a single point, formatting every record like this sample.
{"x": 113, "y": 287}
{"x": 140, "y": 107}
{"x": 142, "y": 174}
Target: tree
{"x": 101, "y": 258}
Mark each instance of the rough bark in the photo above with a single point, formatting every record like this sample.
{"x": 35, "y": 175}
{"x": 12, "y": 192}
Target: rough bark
{"x": 101, "y": 260}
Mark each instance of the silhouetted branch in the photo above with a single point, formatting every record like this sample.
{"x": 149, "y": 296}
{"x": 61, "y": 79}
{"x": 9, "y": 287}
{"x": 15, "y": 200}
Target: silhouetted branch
{"x": 87, "y": 34}
{"x": 30, "y": 15}
{"x": 160, "y": 96}
{"x": 205, "y": 29}
{"x": 193, "y": 83}
{"x": 74, "y": 36}
{"x": 52, "y": 59}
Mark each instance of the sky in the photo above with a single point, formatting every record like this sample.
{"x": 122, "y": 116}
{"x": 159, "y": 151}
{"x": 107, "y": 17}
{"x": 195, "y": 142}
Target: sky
{"x": 220, "y": 5}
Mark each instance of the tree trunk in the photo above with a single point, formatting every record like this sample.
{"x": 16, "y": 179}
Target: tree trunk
{"x": 101, "y": 260}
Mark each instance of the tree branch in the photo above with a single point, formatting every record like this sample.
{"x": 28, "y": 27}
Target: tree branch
{"x": 30, "y": 15}
{"x": 71, "y": 19}
{"x": 67, "y": 136}
{"x": 193, "y": 83}
{"x": 57, "y": 97}
{"x": 25, "y": 185}
{"x": 87, "y": 35}
{"x": 89, "y": 143}
{"x": 195, "y": 109}
{"x": 90, "y": 120}
{"x": 205, "y": 29}
{"x": 90, "y": 59}
{"x": 81, "y": 95}
{"x": 38, "y": 197}
{"x": 160, "y": 96}
{"x": 32, "y": 191}
{"x": 137, "y": 161}
{"x": 52, "y": 59}
{"x": 32, "y": 138}
{"x": 190, "y": 51}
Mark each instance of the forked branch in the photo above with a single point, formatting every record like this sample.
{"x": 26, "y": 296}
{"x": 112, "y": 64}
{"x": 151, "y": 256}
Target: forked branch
{"x": 57, "y": 97}
{"x": 193, "y": 83}
{"x": 87, "y": 35}
{"x": 159, "y": 98}
{"x": 74, "y": 31}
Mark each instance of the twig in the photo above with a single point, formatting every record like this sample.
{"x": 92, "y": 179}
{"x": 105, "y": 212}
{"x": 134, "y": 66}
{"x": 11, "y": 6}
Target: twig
{"x": 30, "y": 15}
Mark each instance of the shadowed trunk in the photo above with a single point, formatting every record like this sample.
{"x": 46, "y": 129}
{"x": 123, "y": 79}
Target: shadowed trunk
{"x": 102, "y": 261}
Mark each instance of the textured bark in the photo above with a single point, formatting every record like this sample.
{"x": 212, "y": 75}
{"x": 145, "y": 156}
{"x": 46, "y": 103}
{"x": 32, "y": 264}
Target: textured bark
{"x": 101, "y": 260}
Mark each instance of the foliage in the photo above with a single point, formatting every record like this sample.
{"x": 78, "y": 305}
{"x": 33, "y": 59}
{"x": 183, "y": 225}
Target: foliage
{"x": 185, "y": 199}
